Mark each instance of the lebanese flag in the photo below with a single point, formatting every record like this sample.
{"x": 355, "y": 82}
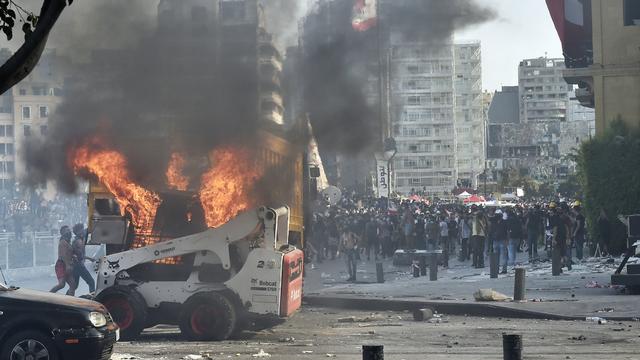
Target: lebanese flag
{"x": 365, "y": 15}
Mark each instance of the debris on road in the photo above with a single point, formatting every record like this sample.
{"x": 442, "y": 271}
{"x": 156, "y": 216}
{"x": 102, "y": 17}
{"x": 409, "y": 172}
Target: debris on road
{"x": 422, "y": 314}
{"x": 353, "y": 319}
{"x": 261, "y": 354}
{"x": 596, "y": 319}
{"x": 490, "y": 295}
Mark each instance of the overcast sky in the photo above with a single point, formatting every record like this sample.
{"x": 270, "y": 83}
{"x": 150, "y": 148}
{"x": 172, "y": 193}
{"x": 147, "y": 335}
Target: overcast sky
{"x": 523, "y": 30}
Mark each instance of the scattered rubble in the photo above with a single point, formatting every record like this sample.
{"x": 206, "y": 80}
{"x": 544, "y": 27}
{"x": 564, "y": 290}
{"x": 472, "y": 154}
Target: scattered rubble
{"x": 490, "y": 295}
{"x": 261, "y": 354}
{"x": 596, "y": 319}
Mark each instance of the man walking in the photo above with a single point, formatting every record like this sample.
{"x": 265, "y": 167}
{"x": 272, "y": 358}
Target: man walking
{"x": 534, "y": 227}
{"x": 499, "y": 234}
{"x": 478, "y": 235}
{"x": 349, "y": 246}
{"x": 64, "y": 265}
{"x": 79, "y": 256}
{"x": 465, "y": 235}
{"x": 444, "y": 240}
{"x": 579, "y": 230}
{"x": 514, "y": 235}
{"x": 560, "y": 230}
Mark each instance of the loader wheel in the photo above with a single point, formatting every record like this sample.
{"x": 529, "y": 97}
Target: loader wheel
{"x": 128, "y": 309}
{"x": 208, "y": 316}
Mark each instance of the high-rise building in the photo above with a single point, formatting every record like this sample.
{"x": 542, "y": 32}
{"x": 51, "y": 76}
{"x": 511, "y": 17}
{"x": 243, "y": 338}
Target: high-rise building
{"x": 423, "y": 117}
{"x": 228, "y": 38}
{"x": 438, "y": 118}
{"x": 470, "y": 113}
{"x": 534, "y": 126}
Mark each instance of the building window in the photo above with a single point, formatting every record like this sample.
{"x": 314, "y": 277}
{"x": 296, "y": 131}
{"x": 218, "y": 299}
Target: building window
{"x": 27, "y": 130}
{"x": 9, "y": 131}
{"x": 26, "y": 112}
{"x": 632, "y": 12}
{"x": 23, "y": 92}
{"x": 44, "y": 112}
{"x": 43, "y": 130}
{"x": 9, "y": 148}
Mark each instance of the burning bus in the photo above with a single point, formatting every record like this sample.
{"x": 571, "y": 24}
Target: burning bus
{"x": 206, "y": 255}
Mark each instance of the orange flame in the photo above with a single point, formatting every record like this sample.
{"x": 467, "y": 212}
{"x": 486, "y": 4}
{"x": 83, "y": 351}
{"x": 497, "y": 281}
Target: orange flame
{"x": 110, "y": 167}
{"x": 175, "y": 178}
{"x": 225, "y": 189}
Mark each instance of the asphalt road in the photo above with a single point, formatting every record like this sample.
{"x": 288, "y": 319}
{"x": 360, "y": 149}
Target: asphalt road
{"x": 320, "y": 334}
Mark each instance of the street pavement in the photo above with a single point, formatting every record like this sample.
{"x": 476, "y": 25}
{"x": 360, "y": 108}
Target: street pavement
{"x": 317, "y": 333}
{"x": 584, "y": 291}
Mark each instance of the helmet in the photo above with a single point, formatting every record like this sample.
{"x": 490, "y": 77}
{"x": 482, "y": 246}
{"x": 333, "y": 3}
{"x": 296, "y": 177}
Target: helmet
{"x": 577, "y": 204}
{"x": 552, "y": 205}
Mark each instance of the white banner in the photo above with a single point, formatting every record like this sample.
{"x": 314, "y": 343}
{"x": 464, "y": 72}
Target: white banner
{"x": 382, "y": 177}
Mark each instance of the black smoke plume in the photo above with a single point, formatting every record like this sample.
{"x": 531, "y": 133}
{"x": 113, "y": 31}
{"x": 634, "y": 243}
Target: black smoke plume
{"x": 182, "y": 87}
{"x": 342, "y": 67}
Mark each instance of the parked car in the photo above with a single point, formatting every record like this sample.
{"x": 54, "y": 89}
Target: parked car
{"x": 36, "y": 325}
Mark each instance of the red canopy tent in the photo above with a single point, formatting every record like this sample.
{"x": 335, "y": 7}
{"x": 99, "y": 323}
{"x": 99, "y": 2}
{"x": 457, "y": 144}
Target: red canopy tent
{"x": 474, "y": 199}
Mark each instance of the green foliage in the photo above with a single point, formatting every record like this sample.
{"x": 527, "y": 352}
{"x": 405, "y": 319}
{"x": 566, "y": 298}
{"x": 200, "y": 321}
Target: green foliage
{"x": 609, "y": 173}
{"x": 519, "y": 178}
{"x": 11, "y": 12}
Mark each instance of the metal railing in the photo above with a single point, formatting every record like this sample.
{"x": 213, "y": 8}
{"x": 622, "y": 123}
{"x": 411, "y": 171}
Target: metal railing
{"x": 32, "y": 249}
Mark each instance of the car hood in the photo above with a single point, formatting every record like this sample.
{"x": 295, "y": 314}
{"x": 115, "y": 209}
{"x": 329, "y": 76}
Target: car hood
{"x": 34, "y": 296}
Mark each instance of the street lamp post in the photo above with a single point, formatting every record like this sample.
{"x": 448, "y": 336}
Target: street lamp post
{"x": 390, "y": 151}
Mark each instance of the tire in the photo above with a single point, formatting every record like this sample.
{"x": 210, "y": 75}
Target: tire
{"x": 128, "y": 309}
{"x": 29, "y": 342}
{"x": 208, "y": 316}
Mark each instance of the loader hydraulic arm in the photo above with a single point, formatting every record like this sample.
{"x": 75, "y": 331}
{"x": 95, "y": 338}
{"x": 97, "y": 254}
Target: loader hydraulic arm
{"x": 216, "y": 241}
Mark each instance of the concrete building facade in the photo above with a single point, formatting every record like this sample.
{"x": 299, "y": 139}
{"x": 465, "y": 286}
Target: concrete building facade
{"x": 470, "y": 114}
{"x": 25, "y": 111}
{"x": 437, "y": 116}
{"x": 534, "y": 126}
{"x": 423, "y": 118}
{"x": 601, "y": 42}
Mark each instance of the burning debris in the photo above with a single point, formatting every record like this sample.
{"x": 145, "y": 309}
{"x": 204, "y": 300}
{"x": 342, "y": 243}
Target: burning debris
{"x": 175, "y": 173}
{"x": 110, "y": 167}
{"x": 226, "y": 187}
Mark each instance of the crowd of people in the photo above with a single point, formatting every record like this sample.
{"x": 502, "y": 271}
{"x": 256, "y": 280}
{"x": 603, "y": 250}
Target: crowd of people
{"x": 366, "y": 228}
{"x": 23, "y": 213}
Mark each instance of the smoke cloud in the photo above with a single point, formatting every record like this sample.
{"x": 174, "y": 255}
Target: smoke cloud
{"x": 342, "y": 67}
{"x": 152, "y": 87}
{"x": 148, "y": 91}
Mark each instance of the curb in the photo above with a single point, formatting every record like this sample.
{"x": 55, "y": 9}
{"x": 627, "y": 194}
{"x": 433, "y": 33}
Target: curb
{"x": 476, "y": 309}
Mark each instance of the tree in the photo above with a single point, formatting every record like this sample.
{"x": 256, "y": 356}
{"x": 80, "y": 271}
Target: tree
{"x": 609, "y": 173}
{"x": 36, "y": 29}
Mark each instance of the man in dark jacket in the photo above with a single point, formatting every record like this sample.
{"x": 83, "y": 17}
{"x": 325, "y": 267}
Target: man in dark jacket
{"x": 514, "y": 233}
{"x": 500, "y": 237}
